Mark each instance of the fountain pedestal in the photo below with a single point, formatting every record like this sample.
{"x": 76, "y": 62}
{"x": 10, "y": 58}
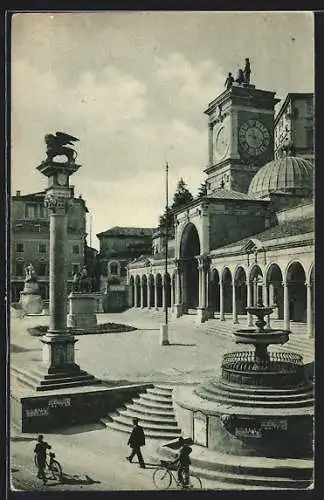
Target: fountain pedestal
{"x": 261, "y": 405}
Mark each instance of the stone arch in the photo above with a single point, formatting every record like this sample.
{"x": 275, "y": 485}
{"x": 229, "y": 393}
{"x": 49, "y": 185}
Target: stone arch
{"x": 240, "y": 281}
{"x": 213, "y": 290}
{"x": 189, "y": 249}
{"x": 159, "y": 290}
{"x": 296, "y": 280}
{"x": 227, "y": 282}
{"x": 274, "y": 279}
{"x": 310, "y": 274}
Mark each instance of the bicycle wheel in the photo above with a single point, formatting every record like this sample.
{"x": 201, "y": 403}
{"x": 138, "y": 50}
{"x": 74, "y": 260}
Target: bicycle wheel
{"x": 56, "y": 469}
{"x": 195, "y": 482}
{"x": 162, "y": 479}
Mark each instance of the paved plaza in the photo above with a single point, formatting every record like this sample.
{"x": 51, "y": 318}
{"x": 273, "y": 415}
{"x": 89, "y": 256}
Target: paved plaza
{"x": 194, "y": 355}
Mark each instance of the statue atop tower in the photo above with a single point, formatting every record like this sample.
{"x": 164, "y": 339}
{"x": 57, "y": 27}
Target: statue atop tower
{"x": 243, "y": 76}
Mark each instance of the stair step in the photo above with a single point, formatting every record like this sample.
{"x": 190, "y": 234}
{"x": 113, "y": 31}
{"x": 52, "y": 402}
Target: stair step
{"x": 160, "y": 395}
{"x": 147, "y": 425}
{"x": 254, "y": 403}
{"x": 150, "y": 399}
{"x": 148, "y": 418}
{"x": 253, "y": 396}
{"x": 152, "y": 434}
{"x": 146, "y": 410}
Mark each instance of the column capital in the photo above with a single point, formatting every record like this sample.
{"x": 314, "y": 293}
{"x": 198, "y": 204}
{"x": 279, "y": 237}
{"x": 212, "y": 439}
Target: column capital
{"x": 178, "y": 263}
{"x": 285, "y": 284}
{"x": 203, "y": 262}
{"x": 56, "y": 204}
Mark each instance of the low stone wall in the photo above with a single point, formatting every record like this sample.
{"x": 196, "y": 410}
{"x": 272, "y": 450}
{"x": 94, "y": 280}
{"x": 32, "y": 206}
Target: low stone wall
{"x": 41, "y": 413}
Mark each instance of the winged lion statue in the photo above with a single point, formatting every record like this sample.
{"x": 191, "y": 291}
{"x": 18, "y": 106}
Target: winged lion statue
{"x": 57, "y": 145}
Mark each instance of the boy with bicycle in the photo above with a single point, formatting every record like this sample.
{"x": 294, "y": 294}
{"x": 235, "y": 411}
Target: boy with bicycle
{"x": 40, "y": 456}
{"x": 183, "y": 462}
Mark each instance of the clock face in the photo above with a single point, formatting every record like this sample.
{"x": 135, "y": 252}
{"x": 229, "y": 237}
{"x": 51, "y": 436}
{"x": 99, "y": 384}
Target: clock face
{"x": 61, "y": 178}
{"x": 221, "y": 142}
{"x": 254, "y": 137}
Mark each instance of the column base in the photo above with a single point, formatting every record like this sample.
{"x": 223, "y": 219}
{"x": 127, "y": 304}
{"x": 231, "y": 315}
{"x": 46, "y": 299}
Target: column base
{"x": 235, "y": 321}
{"x": 202, "y": 315}
{"x": 58, "y": 369}
{"x": 164, "y": 339}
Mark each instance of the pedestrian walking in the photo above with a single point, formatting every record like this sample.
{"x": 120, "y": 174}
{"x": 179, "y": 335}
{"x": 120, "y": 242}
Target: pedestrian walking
{"x": 136, "y": 440}
{"x": 40, "y": 457}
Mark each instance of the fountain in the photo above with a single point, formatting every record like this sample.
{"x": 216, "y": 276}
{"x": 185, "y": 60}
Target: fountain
{"x": 260, "y": 406}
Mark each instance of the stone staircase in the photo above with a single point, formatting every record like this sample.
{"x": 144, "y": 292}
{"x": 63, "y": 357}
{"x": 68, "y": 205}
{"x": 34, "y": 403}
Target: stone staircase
{"x": 242, "y": 472}
{"x": 153, "y": 408}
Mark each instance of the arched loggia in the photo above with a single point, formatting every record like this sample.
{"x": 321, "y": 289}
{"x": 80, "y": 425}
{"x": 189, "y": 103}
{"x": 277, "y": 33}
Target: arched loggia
{"x": 213, "y": 291}
{"x": 131, "y": 291}
{"x": 241, "y": 291}
{"x": 275, "y": 290}
{"x": 227, "y": 290}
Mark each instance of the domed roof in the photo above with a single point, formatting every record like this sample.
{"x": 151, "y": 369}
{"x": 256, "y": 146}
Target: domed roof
{"x": 286, "y": 175}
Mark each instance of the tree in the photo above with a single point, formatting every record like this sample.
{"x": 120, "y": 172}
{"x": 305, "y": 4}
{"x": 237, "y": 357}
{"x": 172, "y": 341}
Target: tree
{"x": 182, "y": 196}
{"x": 202, "y": 191}
{"x": 163, "y": 219}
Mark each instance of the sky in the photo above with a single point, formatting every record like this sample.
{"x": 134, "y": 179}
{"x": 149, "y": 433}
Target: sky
{"x": 133, "y": 87}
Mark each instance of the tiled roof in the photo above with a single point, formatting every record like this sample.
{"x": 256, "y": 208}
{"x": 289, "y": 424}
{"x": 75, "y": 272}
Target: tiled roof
{"x": 127, "y": 231}
{"x": 283, "y": 230}
{"x": 227, "y": 194}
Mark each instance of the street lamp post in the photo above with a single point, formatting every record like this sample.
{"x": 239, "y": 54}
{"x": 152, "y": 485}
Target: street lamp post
{"x": 165, "y": 327}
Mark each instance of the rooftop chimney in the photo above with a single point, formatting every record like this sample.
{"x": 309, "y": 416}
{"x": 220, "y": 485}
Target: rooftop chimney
{"x": 18, "y": 193}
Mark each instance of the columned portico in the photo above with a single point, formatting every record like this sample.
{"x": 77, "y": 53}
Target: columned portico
{"x": 156, "y": 295}
{"x": 178, "y": 283}
{"x": 149, "y": 298}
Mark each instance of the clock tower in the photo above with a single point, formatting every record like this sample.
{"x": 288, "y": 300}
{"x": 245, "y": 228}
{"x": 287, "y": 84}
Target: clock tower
{"x": 241, "y": 136}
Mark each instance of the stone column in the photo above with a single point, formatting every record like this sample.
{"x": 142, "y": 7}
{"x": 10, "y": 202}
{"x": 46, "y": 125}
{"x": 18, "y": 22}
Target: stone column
{"x": 221, "y": 301}
{"x": 156, "y": 295}
{"x": 172, "y": 295}
{"x": 266, "y": 301}
{"x": 178, "y": 305}
{"x": 135, "y": 295}
{"x": 249, "y": 302}
{"x": 234, "y": 309}
{"x": 286, "y": 306}
{"x": 309, "y": 310}
{"x": 148, "y": 294}
{"x": 164, "y": 289}
{"x": 142, "y": 295}
{"x": 203, "y": 268}
{"x": 210, "y": 143}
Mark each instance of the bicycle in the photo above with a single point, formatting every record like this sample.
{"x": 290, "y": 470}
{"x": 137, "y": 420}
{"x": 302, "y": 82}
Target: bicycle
{"x": 164, "y": 476}
{"x": 53, "y": 466}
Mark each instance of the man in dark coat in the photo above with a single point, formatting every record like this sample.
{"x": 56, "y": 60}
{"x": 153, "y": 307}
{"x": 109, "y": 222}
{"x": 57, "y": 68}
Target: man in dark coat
{"x": 136, "y": 440}
{"x": 40, "y": 456}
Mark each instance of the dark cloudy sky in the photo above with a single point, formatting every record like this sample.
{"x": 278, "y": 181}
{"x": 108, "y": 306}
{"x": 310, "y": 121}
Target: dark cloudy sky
{"x": 133, "y": 87}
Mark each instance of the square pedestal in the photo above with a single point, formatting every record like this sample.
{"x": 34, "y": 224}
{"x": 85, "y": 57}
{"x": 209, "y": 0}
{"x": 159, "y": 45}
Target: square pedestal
{"x": 82, "y": 311}
{"x": 31, "y": 303}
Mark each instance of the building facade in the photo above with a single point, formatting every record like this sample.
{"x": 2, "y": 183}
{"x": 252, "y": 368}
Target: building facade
{"x": 30, "y": 240}
{"x": 118, "y": 246}
{"x": 251, "y": 238}
{"x": 294, "y": 125}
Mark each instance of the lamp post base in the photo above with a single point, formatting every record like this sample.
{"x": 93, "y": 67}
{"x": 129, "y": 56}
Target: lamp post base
{"x": 164, "y": 339}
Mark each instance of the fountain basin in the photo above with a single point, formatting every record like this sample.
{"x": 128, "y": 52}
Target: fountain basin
{"x": 250, "y": 336}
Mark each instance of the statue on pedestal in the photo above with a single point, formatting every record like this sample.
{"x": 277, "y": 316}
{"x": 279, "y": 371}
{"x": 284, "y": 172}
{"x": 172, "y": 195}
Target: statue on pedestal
{"x": 82, "y": 282}
{"x": 240, "y": 77}
{"x": 56, "y": 145}
{"x": 30, "y": 273}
